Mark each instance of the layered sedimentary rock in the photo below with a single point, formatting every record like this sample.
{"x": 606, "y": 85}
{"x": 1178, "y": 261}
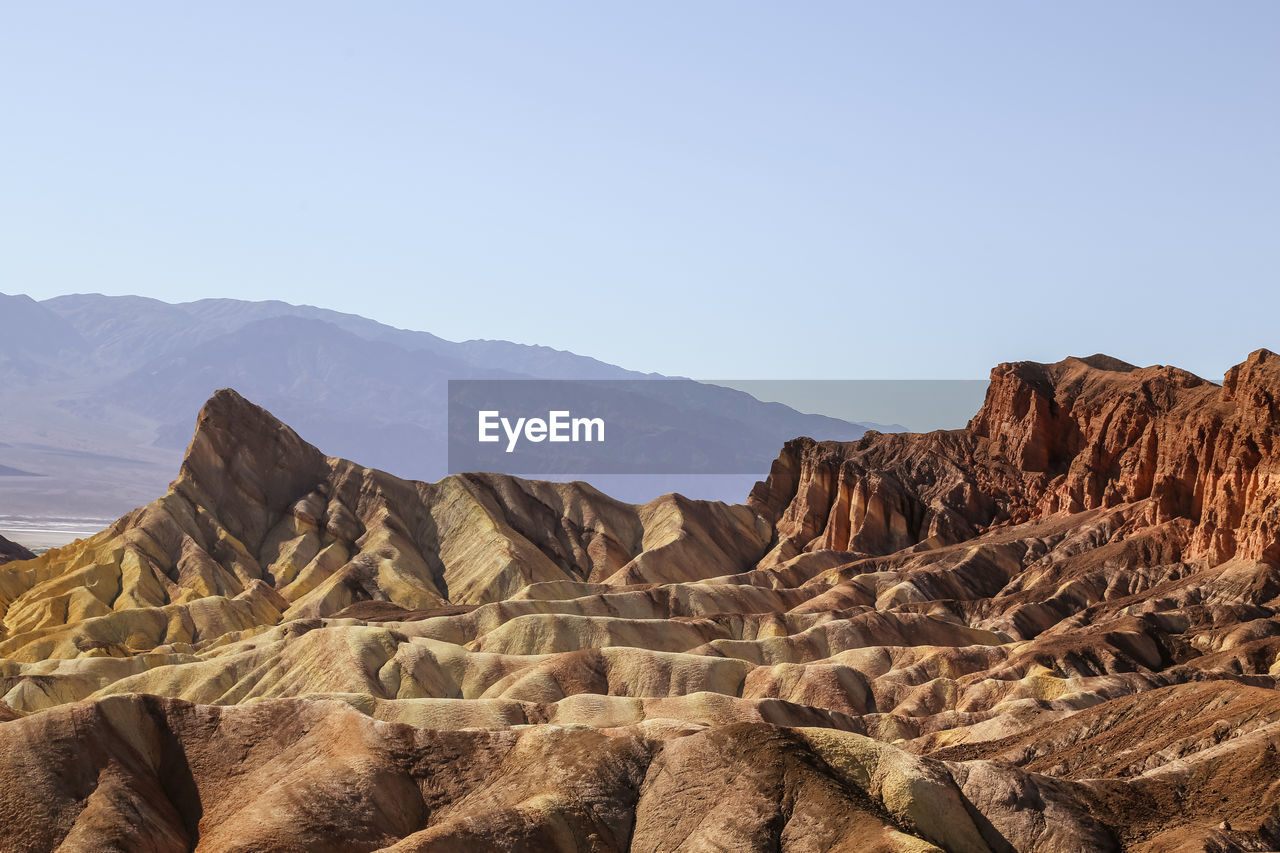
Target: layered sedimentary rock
{"x": 1056, "y": 629}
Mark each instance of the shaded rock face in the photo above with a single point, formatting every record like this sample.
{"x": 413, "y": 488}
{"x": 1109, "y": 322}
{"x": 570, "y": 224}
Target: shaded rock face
{"x": 1055, "y": 630}
{"x": 10, "y": 551}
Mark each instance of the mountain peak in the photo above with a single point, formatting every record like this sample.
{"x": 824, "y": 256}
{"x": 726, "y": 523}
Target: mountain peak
{"x": 31, "y": 329}
{"x": 244, "y": 459}
{"x": 1102, "y": 361}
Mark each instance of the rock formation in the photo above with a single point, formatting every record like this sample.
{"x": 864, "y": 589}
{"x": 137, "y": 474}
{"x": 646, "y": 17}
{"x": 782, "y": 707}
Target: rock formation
{"x": 1056, "y": 629}
{"x": 10, "y": 551}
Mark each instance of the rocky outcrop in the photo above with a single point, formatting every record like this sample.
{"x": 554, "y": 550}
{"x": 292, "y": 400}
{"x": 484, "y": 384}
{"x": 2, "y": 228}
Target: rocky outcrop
{"x": 1055, "y": 630}
{"x": 1103, "y": 433}
{"x": 1051, "y": 438}
{"x": 10, "y": 551}
{"x": 883, "y": 493}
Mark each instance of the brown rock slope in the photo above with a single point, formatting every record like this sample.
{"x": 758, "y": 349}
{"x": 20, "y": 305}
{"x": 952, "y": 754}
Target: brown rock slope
{"x": 10, "y": 551}
{"x": 1056, "y": 629}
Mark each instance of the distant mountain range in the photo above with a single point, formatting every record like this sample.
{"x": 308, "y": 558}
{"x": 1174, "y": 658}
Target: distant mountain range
{"x": 98, "y": 394}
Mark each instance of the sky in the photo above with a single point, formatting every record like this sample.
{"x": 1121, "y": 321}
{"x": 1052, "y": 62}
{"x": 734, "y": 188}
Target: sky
{"x": 708, "y": 189}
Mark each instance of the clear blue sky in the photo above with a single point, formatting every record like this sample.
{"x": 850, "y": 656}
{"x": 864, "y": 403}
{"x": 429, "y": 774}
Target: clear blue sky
{"x": 725, "y": 189}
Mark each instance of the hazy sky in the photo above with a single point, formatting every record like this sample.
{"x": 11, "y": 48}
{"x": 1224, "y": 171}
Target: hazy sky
{"x": 725, "y": 189}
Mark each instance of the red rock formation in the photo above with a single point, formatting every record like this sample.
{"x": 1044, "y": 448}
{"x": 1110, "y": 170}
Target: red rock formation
{"x": 1077, "y": 435}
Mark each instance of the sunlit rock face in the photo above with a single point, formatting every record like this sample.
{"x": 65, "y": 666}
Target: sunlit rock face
{"x": 1056, "y": 629}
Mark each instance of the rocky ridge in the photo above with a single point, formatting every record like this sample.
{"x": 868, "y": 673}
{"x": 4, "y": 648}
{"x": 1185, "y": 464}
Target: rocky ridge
{"x": 10, "y": 551}
{"x": 1056, "y": 629}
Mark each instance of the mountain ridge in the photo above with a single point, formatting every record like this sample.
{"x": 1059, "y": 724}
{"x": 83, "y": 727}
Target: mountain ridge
{"x": 118, "y": 377}
{"x": 1054, "y": 629}
{"x": 11, "y": 551}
